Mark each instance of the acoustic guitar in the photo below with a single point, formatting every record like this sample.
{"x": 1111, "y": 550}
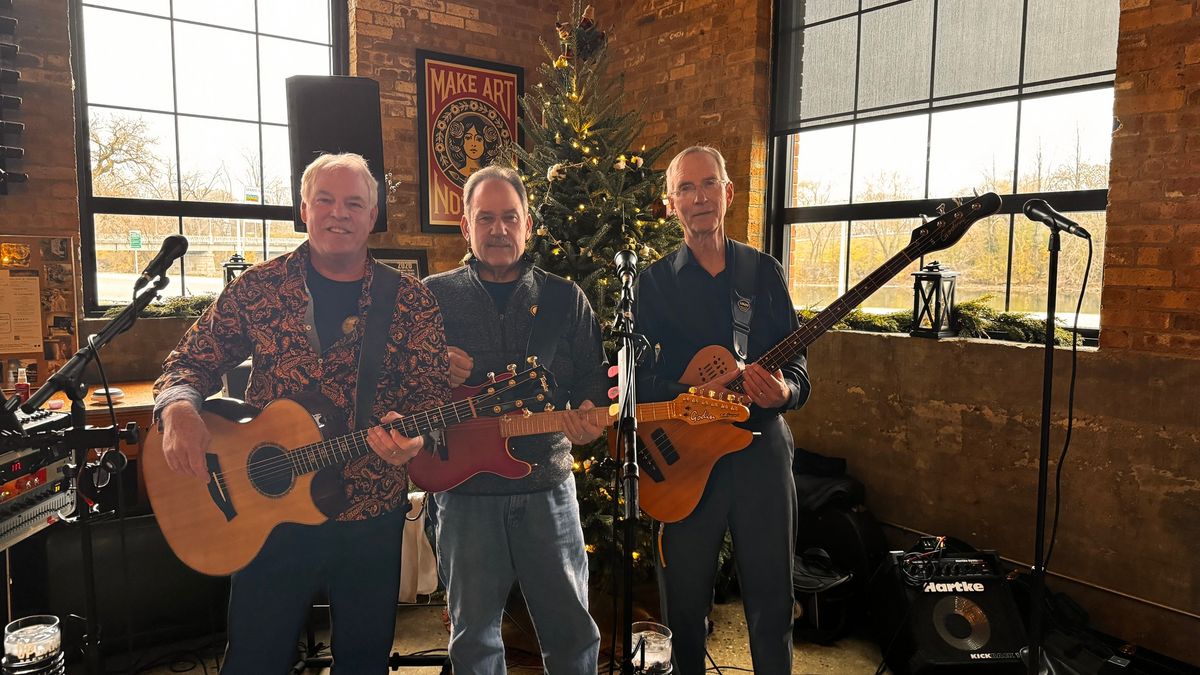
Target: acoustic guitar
{"x": 481, "y": 445}
{"x": 284, "y": 465}
{"x": 668, "y": 494}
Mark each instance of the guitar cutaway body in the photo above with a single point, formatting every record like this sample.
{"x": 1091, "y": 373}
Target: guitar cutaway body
{"x": 217, "y": 527}
{"x": 676, "y": 458}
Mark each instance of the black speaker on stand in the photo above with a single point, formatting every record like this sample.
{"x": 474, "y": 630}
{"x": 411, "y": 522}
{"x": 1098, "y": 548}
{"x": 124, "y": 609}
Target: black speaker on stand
{"x": 942, "y": 613}
{"x": 332, "y": 114}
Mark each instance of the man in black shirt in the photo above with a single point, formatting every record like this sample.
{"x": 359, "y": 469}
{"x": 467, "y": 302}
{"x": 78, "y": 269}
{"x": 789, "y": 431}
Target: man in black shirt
{"x": 683, "y": 304}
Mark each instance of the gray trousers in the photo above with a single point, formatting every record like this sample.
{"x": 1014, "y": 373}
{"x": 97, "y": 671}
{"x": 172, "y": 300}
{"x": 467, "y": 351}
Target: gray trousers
{"x": 752, "y": 494}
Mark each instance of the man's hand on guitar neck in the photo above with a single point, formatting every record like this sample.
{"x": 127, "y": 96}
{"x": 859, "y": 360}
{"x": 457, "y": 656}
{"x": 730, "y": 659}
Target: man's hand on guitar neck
{"x": 767, "y": 390}
{"x": 392, "y": 446}
{"x": 185, "y": 439}
{"x": 764, "y": 389}
{"x": 579, "y": 428}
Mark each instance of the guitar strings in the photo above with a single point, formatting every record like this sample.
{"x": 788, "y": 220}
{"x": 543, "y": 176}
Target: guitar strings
{"x": 314, "y": 453}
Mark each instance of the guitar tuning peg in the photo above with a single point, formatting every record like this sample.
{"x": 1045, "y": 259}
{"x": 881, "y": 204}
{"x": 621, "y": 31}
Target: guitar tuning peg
{"x": 528, "y": 413}
{"x": 532, "y": 361}
{"x": 691, "y": 390}
{"x": 712, "y": 393}
{"x": 549, "y": 407}
{"x": 512, "y": 368}
{"x": 974, "y": 193}
{"x": 491, "y": 376}
{"x": 731, "y": 398}
{"x": 924, "y": 218}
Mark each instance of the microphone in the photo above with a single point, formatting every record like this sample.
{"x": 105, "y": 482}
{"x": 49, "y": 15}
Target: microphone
{"x": 626, "y": 262}
{"x": 1039, "y": 210}
{"x": 173, "y": 248}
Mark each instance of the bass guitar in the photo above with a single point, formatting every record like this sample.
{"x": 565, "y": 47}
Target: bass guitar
{"x": 669, "y": 495}
{"x": 284, "y": 465}
{"x": 481, "y": 445}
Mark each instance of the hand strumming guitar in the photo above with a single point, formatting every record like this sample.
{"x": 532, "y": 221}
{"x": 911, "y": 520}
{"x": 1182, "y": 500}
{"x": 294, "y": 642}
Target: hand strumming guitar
{"x": 185, "y": 439}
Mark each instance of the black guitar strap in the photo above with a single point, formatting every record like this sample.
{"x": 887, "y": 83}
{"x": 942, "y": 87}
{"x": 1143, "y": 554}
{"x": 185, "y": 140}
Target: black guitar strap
{"x": 384, "y": 285}
{"x": 745, "y": 273}
{"x": 550, "y": 318}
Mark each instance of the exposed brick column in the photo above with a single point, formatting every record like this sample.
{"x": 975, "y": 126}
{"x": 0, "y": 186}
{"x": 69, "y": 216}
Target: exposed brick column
{"x": 700, "y": 71}
{"x": 1151, "y": 296}
{"x": 49, "y": 203}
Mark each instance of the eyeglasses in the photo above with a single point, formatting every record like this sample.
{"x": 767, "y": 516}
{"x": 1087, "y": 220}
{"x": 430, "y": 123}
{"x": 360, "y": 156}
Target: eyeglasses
{"x": 710, "y": 187}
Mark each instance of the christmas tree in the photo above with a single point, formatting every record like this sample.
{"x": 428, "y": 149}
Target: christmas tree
{"x": 592, "y": 193}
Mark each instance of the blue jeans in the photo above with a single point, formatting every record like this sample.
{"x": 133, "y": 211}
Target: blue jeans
{"x": 485, "y": 542}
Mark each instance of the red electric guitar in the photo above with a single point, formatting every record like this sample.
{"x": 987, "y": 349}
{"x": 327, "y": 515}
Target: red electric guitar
{"x": 481, "y": 446}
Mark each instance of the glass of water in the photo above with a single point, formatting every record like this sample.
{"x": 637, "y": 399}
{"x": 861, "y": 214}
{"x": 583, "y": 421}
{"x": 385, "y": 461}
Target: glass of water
{"x": 651, "y": 648}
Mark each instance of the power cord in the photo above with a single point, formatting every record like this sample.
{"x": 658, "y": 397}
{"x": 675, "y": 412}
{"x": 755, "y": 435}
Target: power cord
{"x": 1058, "y": 471}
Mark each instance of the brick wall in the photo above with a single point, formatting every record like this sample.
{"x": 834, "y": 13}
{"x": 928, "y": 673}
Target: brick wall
{"x": 48, "y": 203}
{"x": 700, "y": 70}
{"x": 1151, "y": 296}
{"x": 385, "y": 36}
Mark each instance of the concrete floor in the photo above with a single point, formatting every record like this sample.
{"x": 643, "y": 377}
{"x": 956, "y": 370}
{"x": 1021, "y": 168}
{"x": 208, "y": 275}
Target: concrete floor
{"x": 419, "y": 629}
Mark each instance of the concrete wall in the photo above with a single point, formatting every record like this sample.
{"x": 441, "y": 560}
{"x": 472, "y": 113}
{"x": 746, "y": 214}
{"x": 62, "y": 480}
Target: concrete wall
{"x": 945, "y": 435}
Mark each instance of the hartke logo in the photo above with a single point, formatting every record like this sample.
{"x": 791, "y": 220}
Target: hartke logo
{"x": 956, "y": 587}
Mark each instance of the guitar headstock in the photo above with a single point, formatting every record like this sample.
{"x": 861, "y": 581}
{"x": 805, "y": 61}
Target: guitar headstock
{"x": 945, "y": 230}
{"x": 697, "y": 409}
{"x": 515, "y": 391}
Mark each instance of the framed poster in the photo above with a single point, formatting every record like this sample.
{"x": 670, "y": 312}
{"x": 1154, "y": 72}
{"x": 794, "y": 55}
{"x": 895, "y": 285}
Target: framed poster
{"x": 466, "y": 113}
{"x": 412, "y": 261}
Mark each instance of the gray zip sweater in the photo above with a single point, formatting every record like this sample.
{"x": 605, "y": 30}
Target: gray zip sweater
{"x": 495, "y": 340}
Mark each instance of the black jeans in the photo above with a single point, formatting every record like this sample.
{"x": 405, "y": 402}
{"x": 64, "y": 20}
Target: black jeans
{"x": 357, "y": 566}
{"x": 752, "y": 494}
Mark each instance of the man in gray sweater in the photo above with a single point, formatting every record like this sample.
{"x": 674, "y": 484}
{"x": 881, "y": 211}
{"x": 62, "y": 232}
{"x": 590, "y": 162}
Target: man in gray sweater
{"x": 492, "y": 531}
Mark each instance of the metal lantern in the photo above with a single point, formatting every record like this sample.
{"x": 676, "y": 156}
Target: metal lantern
{"x": 933, "y": 301}
{"x": 234, "y": 266}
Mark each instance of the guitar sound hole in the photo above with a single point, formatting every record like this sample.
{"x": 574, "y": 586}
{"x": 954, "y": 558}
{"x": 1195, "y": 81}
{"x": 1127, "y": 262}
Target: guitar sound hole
{"x": 270, "y": 471}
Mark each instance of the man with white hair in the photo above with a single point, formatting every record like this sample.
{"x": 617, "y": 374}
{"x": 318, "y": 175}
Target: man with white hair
{"x": 304, "y": 318}
{"x": 687, "y": 301}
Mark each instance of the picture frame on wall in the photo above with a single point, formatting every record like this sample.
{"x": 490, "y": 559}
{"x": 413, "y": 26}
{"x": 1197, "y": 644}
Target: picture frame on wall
{"x": 467, "y": 111}
{"x": 412, "y": 261}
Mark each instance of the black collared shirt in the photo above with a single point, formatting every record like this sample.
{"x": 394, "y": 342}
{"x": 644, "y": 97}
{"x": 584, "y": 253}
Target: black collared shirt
{"x": 681, "y": 309}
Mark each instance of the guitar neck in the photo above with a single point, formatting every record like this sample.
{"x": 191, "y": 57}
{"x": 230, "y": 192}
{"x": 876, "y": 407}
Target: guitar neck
{"x": 317, "y": 456}
{"x": 551, "y": 422}
{"x": 787, "y": 349}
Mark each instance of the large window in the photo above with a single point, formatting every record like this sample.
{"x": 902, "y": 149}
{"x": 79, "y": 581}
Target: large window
{"x": 884, "y": 110}
{"x": 183, "y": 130}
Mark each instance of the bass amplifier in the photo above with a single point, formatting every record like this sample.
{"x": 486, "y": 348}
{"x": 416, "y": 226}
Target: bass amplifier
{"x": 948, "y": 613}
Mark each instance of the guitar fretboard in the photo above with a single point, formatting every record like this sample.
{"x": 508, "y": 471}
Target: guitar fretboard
{"x": 317, "y": 456}
{"x": 938, "y": 234}
{"x": 550, "y": 422}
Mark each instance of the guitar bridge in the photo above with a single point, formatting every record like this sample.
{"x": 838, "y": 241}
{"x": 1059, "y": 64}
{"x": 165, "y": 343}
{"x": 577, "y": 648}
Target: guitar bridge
{"x": 217, "y": 488}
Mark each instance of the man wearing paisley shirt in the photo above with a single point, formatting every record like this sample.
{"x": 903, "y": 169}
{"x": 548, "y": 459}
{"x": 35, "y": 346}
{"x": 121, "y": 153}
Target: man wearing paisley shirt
{"x": 301, "y": 317}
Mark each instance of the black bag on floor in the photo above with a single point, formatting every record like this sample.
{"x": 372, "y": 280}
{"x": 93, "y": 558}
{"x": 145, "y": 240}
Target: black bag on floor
{"x": 836, "y": 537}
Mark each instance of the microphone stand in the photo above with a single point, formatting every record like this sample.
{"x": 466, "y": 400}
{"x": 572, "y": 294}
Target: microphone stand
{"x": 81, "y": 439}
{"x": 627, "y": 451}
{"x": 1039, "y": 556}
